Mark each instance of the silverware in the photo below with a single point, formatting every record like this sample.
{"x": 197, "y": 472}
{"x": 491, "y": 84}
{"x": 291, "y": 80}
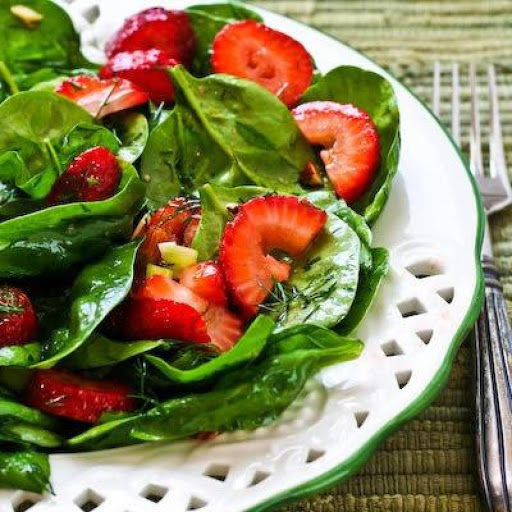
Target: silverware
{"x": 492, "y": 334}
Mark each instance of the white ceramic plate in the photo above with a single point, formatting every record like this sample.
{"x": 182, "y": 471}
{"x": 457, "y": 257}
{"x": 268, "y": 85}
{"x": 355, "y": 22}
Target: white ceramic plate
{"x": 432, "y": 226}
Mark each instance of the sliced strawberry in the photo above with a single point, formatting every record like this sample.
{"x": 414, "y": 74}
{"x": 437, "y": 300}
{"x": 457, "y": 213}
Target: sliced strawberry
{"x": 93, "y": 175}
{"x": 262, "y": 225}
{"x": 102, "y": 97}
{"x": 162, "y": 287}
{"x": 224, "y": 327}
{"x": 249, "y": 49}
{"x": 145, "y": 68}
{"x": 167, "y": 30}
{"x": 206, "y": 280}
{"x": 213, "y": 323}
{"x": 74, "y": 397}
{"x": 168, "y": 224}
{"x": 351, "y": 142}
{"x": 145, "y": 318}
{"x": 18, "y": 321}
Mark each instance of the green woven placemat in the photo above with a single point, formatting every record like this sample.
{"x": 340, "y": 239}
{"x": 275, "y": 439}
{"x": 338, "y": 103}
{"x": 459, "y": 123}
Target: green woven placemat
{"x": 429, "y": 465}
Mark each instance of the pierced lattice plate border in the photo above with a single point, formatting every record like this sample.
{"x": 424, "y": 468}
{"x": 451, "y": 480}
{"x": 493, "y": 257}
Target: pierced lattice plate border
{"x": 433, "y": 228}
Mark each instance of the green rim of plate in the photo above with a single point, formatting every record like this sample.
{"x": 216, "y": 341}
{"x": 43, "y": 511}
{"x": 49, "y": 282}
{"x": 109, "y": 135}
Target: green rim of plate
{"x": 350, "y": 466}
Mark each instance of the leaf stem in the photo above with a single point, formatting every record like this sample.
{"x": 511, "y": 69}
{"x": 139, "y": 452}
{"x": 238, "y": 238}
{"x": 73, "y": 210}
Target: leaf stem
{"x": 6, "y": 74}
{"x": 53, "y": 156}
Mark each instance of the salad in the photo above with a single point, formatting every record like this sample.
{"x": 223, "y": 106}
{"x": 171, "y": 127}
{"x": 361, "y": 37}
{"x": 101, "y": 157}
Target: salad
{"x": 185, "y": 229}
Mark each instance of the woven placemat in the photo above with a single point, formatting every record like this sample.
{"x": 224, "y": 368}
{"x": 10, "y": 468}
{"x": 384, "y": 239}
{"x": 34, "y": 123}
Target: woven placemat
{"x": 428, "y": 465}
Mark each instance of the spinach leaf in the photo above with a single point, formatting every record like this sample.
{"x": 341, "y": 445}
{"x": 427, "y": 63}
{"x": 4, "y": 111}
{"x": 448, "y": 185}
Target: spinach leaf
{"x": 207, "y": 20}
{"x": 327, "y": 201}
{"x": 14, "y": 379}
{"x": 105, "y": 435}
{"x": 226, "y": 131}
{"x": 13, "y": 202}
{"x": 247, "y": 349}
{"x": 53, "y": 239}
{"x": 215, "y": 203}
{"x": 369, "y": 283}
{"x": 374, "y": 94}
{"x": 26, "y": 470}
{"x": 242, "y": 400}
{"x": 12, "y": 410}
{"x": 84, "y": 136}
{"x": 32, "y": 124}
{"x": 324, "y": 280}
{"x": 23, "y": 433}
{"x": 239, "y": 400}
{"x": 132, "y": 129}
{"x": 53, "y": 43}
{"x": 20, "y": 355}
{"x": 98, "y": 289}
{"x": 101, "y": 351}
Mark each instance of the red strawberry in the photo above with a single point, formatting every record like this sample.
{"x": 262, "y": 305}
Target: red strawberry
{"x": 162, "y": 287}
{"x": 74, "y": 397}
{"x": 93, "y": 175}
{"x": 206, "y": 280}
{"x": 102, "y": 97}
{"x": 262, "y": 225}
{"x": 144, "y": 318}
{"x": 167, "y": 30}
{"x": 145, "y": 68}
{"x": 351, "y": 142}
{"x": 211, "y": 324}
{"x": 168, "y": 224}
{"x": 224, "y": 327}
{"x": 249, "y": 49}
{"x": 18, "y": 321}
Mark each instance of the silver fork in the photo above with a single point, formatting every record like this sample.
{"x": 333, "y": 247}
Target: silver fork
{"x": 492, "y": 334}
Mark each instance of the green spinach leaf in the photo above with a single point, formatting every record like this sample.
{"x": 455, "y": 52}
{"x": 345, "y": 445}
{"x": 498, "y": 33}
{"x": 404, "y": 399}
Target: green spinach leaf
{"x": 226, "y": 131}
{"x": 24, "y": 433}
{"x": 369, "y": 283}
{"x": 53, "y": 239}
{"x": 84, "y": 136}
{"x": 53, "y": 43}
{"x": 247, "y": 349}
{"x": 32, "y": 125}
{"x": 215, "y": 203}
{"x": 26, "y": 470}
{"x": 324, "y": 280}
{"x": 374, "y": 94}
{"x": 132, "y": 129}
{"x": 10, "y": 409}
{"x": 243, "y": 400}
{"x": 101, "y": 351}
{"x": 20, "y": 355}
{"x": 98, "y": 289}
{"x": 239, "y": 400}
{"x": 207, "y": 20}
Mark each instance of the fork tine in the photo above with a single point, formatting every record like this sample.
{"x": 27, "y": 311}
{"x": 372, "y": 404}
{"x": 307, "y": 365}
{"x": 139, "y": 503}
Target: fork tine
{"x": 475, "y": 145}
{"x": 436, "y": 92}
{"x": 497, "y": 165}
{"x": 455, "y": 103}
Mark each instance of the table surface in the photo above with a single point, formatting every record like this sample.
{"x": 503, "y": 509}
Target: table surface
{"x": 429, "y": 465}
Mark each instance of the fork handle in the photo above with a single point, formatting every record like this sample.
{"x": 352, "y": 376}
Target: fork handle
{"x": 493, "y": 346}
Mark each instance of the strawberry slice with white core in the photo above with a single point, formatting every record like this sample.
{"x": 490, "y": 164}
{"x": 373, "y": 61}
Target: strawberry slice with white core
{"x": 223, "y": 327}
{"x": 351, "y": 142}
{"x": 262, "y": 225}
{"x": 102, "y": 97}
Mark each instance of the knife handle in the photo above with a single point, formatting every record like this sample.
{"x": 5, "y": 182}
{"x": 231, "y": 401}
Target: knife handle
{"x": 493, "y": 347}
